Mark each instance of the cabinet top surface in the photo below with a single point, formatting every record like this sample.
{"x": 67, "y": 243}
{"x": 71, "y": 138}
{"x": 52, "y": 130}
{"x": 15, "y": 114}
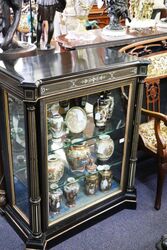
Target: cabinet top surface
{"x": 60, "y": 65}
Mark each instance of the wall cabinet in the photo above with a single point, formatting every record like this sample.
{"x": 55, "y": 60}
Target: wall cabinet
{"x": 69, "y": 140}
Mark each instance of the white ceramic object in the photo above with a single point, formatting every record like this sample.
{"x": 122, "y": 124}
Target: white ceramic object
{"x": 76, "y": 120}
{"x": 55, "y": 168}
{"x": 104, "y": 147}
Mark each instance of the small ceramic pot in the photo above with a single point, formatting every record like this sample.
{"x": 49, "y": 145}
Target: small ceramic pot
{"x": 55, "y": 198}
{"x": 71, "y": 190}
{"x": 104, "y": 147}
{"x": 79, "y": 155}
{"x": 56, "y": 125}
{"x": 91, "y": 184}
{"x": 91, "y": 167}
{"x": 55, "y": 168}
{"x": 105, "y": 178}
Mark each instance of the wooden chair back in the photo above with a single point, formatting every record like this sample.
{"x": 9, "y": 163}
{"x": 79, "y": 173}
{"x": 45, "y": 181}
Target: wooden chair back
{"x": 150, "y": 49}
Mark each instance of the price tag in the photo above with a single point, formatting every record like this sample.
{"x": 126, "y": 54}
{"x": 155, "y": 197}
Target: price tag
{"x": 97, "y": 116}
{"x": 121, "y": 140}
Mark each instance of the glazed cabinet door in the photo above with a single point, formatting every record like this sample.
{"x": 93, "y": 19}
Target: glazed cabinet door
{"x": 18, "y": 192}
{"x": 87, "y": 150}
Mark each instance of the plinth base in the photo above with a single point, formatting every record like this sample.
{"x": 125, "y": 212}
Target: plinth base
{"x": 25, "y": 49}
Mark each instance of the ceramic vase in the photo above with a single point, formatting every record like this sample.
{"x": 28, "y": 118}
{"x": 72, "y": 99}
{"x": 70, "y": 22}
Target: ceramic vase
{"x": 56, "y": 125}
{"x": 55, "y": 198}
{"x": 105, "y": 178}
{"x": 55, "y": 168}
{"x": 104, "y": 147}
{"x": 100, "y": 112}
{"x": 71, "y": 190}
{"x": 79, "y": 156}
{"x": 91, "y": 184}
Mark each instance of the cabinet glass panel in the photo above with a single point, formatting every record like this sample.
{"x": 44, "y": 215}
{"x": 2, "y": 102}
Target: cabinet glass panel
{"x": 85, "y": 151}
{"x": 17, "y": 133}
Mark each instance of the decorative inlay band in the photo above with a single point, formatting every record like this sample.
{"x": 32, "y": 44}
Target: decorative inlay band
{"x": 87, "y": 81}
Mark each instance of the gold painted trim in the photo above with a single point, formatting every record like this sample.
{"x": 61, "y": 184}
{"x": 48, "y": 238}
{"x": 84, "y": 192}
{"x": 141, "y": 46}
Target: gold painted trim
{"x": 88, "y": 81}
{"x": 70, "y": 94}
{"x": 88, "y": 91}
{"x": 21, "y": 214}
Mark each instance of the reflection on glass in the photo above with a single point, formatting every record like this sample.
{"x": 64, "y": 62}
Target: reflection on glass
{"x": 17, "y": 133}
{"x": 85, "y": 151}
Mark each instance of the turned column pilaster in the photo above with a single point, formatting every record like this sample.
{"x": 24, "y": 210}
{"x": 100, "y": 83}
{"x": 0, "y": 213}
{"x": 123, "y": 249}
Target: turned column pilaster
{"x": 35, "y": 199}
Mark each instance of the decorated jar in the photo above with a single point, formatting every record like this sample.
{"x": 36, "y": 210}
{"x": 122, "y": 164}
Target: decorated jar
{"x": 79, "y": 155}
{"x": 55, "y": 168}
{"x": 56, "y": 125}
{"x": 101, "y": 112}
{"x": 104, "y": 147}
{"x": 71, "y": 190}
{"x": 105, "y": 178}
{"x": 55, "y": 198}
{"x": 91, "y": 183}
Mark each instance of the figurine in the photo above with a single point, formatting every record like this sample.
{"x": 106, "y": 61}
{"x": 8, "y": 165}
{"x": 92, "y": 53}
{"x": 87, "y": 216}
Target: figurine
{"x": 7, "y": 27}
{"x": 116, "y": 9}
{"x": 46, "y": 12}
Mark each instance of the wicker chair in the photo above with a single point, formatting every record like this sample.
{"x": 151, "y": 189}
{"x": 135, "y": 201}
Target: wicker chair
{"x": 153, "y": 133}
